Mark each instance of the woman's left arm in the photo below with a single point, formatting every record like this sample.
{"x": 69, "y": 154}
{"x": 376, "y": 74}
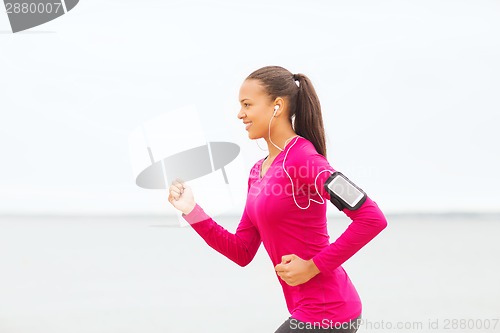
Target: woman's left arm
{"x": 366, "y": 222}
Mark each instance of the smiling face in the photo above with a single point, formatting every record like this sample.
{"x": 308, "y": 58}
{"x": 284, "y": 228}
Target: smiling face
{"x": 256, "y": 109}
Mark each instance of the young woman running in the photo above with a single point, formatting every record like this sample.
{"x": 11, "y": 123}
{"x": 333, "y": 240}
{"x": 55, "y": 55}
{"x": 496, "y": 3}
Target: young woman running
{"x": 286, "y": 206}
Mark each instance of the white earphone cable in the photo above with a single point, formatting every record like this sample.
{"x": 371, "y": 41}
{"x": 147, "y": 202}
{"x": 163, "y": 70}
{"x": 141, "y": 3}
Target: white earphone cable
{"x": 291, "y": 181}
{"x": 269, "y": 132}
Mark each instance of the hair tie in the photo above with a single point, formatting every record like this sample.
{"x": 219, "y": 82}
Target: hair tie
{"x": 296, "y": 77}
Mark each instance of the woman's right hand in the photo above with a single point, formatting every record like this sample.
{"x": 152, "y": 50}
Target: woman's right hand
{"x": 181, "y": 196}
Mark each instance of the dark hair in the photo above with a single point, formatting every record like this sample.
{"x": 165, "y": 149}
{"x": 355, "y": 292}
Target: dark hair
{"x": 305, "y": 108}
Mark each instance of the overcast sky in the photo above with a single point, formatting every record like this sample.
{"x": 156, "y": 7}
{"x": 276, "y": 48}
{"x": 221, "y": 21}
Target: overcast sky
{"x": 409, "y": 92}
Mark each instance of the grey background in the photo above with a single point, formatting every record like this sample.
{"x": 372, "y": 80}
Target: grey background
{"x": 408, "y": 89}
{"x": 409, "y": 92}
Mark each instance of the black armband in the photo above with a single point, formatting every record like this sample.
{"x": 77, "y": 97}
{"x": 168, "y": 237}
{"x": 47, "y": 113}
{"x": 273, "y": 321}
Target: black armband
{"x": 343, "y": 192}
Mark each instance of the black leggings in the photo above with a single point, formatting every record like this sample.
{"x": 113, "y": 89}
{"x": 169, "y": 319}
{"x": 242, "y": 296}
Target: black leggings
{"x": 292, "y": 325}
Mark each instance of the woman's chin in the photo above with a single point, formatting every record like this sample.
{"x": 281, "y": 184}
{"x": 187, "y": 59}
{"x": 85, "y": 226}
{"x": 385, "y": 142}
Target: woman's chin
{"x": 252, "y": 136}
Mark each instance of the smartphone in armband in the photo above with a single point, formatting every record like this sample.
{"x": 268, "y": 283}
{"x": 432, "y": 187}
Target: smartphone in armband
{"x": 343, "y": 192}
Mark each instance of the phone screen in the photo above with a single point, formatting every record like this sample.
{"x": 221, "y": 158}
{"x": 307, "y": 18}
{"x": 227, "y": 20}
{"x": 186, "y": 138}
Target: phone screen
{"x": 345, "y": 190}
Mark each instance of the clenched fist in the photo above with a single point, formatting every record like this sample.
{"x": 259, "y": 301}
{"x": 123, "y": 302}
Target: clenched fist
{"x": 295, "y": 270}
{"x": 181, "y": 196}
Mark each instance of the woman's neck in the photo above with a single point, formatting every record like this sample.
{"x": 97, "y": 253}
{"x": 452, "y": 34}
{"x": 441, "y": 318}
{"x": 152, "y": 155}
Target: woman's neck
{"x": 281, "y": 141}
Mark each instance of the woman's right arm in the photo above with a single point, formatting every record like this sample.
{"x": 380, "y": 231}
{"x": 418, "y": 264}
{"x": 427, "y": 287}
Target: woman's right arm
{"x": 239, "y": 247}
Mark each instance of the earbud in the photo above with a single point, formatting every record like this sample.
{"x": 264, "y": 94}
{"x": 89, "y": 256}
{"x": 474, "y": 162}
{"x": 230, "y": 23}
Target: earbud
{"x": 276, "y": 108}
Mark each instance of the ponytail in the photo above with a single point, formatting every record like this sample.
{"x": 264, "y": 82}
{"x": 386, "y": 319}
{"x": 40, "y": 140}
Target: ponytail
{"x": 308, "y": 119}
{"x": 304, "y": 106}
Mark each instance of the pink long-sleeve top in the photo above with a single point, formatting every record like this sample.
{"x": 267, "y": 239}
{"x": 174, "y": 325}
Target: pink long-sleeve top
{"x": 272, "y": 217}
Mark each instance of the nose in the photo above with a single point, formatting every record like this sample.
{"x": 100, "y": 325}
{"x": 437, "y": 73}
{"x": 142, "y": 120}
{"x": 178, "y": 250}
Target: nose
{"x": 240, "y": 114}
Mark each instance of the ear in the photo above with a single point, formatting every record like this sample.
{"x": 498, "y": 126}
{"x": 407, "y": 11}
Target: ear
{"x": 281, "y": 103}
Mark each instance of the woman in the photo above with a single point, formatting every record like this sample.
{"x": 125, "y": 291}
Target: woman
{"x": 286, "y": 206}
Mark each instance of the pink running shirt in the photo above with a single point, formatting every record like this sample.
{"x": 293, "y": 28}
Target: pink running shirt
{"x": 271, "y": 217}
